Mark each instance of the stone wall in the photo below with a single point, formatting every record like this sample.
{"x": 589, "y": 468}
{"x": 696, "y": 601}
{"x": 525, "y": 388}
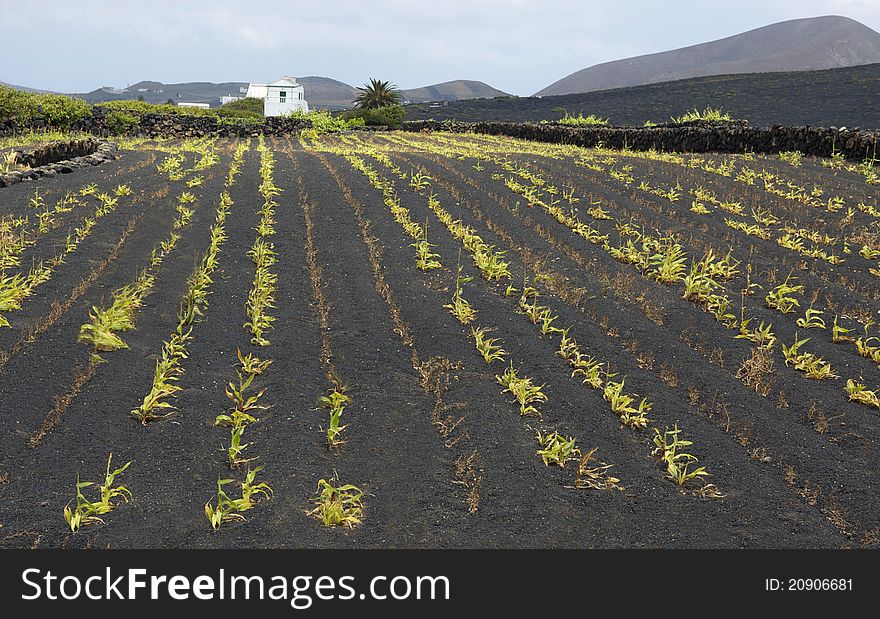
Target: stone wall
{"x": 689, "y": 137}
{"x": 58, "y": 158}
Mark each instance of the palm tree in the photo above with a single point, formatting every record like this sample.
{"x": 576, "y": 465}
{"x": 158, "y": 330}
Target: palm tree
{"x": 377, "y": 94}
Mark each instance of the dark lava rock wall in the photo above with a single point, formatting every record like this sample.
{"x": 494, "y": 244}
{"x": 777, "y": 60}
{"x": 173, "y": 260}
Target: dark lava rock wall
{"x": 693, "y": 138}
{"x": 170, "y": 126}
{"x": 59, "y": 158}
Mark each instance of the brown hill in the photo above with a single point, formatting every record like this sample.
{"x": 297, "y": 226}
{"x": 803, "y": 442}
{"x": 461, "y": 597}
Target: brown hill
{"x": 795, "y": 45}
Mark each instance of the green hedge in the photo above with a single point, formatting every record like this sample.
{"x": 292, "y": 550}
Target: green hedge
{"x": 59, "y": 111}
{"x": 390, "y": 116}
{"x": 247, "y": 107}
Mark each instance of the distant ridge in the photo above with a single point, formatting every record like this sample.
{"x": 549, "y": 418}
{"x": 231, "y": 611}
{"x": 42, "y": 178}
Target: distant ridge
{"x": 795, "y": 45}
{"x": 321, "y": 92}
{"x": 456, "y": 90}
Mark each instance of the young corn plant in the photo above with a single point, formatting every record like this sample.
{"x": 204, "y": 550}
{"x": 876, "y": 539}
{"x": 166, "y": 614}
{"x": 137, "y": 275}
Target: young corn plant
{"x": 838, "y": 333}
{"x": 335, "y": 402}
{"x": 522, "y": 389}
{"x": 104, "y": 323}
{"x": 459, "y": 307}
{"x": 420, "y": 181}
{"x": 87, "y": 512}
{"x": 425, "y": 258}
{"x": 338, "y": 505}
{"x": 168, "y": 370}
{"x": 244, "y": 404}
{"x": 668, "y": 446}
{"x": 762, "y": 335}
{"x": 812, "y": 320}
{"x": 228, "y": 509}
{"x": 262, "y": 295}
{"x": 813, "y": 366}
{"x": 857, "y": 392}
{"x": 591, "y": 369}
{"x": 781, "y": 299}
{"x": 236, "y": 447}
{"x": 486, "y": 346}
{"x": 556, "y": 448}
{"x": 621, "y": 405}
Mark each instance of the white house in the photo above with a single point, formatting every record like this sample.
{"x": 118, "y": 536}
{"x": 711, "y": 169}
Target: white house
{"x": 228, "y": 99}
{"x": 280, "y": 98}
{"x": 256, "y": 91}
{"x": 204, "y": 106}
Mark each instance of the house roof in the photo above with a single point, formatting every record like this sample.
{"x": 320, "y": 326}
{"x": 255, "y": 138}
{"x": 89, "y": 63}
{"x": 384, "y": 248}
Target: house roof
{"x": 285, "y": 81}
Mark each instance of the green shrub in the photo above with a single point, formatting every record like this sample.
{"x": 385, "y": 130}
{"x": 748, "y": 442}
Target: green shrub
{"x": 323, "y": 121}
{"x": 390, "y": 116}
{"x": 16, "y": 105}
{"x": 141, "y": 107}
{"x": 61, "y": 111}
{"x": 230, "y": 110}
{"x": 58, "y": 111}
{"x": 709, "y": 114}
{"x": 249, "y": 106}
{"x": 583, "y": 121}
{"x": 121, "y": 123}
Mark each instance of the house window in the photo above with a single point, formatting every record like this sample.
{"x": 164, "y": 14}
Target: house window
{"x": 282, "y": 96}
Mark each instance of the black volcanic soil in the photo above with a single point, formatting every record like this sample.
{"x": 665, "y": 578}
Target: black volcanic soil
{"x": 392, "y": 449}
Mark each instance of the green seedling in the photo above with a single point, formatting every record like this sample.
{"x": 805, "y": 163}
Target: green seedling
{"x": 335, "y": 402}
{"x": 667, "y": 446}
{"x": 857, "y": 392}
{"x": 229, "y": 509}
{"x": 459, "y": 307}
{"x": 812, "y": 320}
{"x": 522, "y": 389}
{"x": 338, "y": 505}
{"x": 487, "y": 347}
{"x": 88, "y": 512}
{"x": 838, "y": 333}
{"x": 557, "y": 449}
{"x": 781, "y": 299}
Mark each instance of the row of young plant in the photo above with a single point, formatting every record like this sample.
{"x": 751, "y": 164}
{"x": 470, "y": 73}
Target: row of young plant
{"x": 261, "y": 298}
{"x": 784, "y": 298}
{"x": 83, "y": 510}
{"x": 602, "y": 159}
{"x": 156, "y": 404}
{"x": 106, "y": 322}
{"x": 554, "y": 447}
{"x": 17, "y": 233}
{"x": 867, "y": 167}
{"x": 172, "y": 165}
{"x": 538, "y": 228}
{"x": 15, "y": 289}
{"x": 247, "y": 401}
{"x": 787, "y": 234}
{"x": 665, "y": 261}
{"x": 426, "y": 259}
{"x": 335, "y": 504}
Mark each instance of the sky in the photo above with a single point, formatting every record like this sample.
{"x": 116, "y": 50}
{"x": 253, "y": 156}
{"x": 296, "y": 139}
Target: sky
{"x": 518, "y": 46}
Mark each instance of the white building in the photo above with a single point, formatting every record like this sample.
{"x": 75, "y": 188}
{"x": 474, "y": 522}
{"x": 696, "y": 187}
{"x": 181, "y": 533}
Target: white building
{"x": 280, "y": 98}
{"x": 228, "y": 99}
{"x": 204, "y": 106}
